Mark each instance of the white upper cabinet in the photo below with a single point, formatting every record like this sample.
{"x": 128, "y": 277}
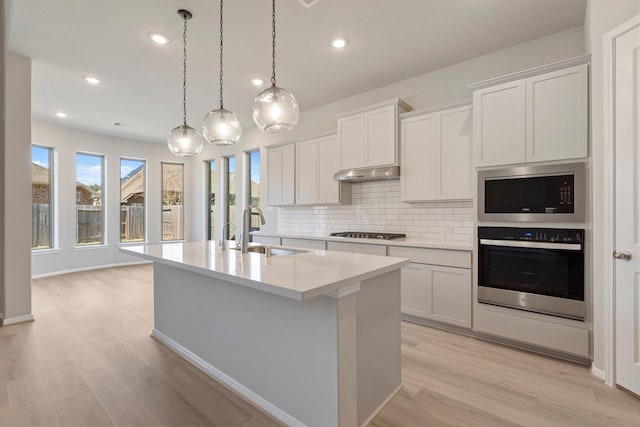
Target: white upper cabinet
{"x": 436, "y": 154}
{"x": 316, "y": 163}
{"x": 369, "y": 137}
{"x": 538, "y": 118}
{"x": 557, "y": 115}
{"x": 352, "y": 131}
{"x": 281, "y": 175}
{"x": 499, "y": 124}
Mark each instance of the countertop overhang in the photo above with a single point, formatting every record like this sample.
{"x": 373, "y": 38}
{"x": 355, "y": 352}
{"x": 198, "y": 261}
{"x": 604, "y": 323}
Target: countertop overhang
{"x": 300, "y": 277}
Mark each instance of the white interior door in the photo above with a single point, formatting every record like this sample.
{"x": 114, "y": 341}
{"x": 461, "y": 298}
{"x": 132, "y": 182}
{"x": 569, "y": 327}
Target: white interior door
{"x": 627, "y": 207}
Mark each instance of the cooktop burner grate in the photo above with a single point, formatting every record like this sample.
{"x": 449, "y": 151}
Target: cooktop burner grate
{"x": 368, "y": 235}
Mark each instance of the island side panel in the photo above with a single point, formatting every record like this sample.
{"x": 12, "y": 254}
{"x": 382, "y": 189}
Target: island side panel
{"x": 284, "y": 351}
{"x": 378, "y": 342}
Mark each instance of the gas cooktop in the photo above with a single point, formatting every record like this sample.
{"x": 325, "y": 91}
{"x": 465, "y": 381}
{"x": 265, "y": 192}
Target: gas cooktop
{"x": 368, "y": 235}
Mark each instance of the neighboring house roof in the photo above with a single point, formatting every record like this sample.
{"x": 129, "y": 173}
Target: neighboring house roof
{"x": 40, "y": 175}
{"x": 132, "y": 184}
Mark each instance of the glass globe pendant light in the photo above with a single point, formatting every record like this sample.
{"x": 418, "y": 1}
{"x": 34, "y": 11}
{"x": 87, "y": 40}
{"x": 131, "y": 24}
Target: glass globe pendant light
{"x": 275, "y": 109}
{"x": 184, "y": 141}
{"x": 221, "y": 127}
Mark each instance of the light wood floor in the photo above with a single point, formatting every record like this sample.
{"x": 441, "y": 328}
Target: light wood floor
{"x": 88, "y": 360}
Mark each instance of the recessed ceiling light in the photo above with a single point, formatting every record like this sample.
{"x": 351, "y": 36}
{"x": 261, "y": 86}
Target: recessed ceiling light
{"x": 257, "y": 82}
{"x": 61, "y": 114}
{"x": 158, "y": 38}
{"x": 339, "y": 42}
{"x": 92, "y": 80}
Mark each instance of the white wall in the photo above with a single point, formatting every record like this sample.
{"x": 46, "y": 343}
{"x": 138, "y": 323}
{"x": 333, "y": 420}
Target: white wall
{"x": 3, "y": 49}
{"x": 601, "y": 16}
{"x": 437, "y": 87}
{"x": 66, "y": 143}
{"x": 17, "y": 188}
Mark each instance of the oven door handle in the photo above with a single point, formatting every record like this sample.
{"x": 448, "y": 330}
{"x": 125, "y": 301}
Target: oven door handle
{"x": 536, "y": 245}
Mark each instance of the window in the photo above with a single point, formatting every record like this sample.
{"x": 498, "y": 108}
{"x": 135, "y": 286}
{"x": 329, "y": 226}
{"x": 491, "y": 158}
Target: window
{"x": 230, "y": 211}
{"x": 89, "y": 201}
{"x": 211, "y": 195}
{"x": 172, "y": 201}
{"x": 132, "y": 200}
{"x": 254, "y": 186}
{"x": 41, "y": 197}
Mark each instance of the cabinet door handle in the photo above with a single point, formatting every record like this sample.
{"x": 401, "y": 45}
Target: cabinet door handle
{"x": 625, "y": 256}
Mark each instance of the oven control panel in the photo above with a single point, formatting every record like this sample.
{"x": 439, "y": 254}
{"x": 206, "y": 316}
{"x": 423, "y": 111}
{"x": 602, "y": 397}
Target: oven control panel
{"x": 551, "y": 235}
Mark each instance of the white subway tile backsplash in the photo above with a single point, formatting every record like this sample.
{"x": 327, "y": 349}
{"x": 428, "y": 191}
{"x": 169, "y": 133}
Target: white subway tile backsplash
{"x": 376, "y": 206}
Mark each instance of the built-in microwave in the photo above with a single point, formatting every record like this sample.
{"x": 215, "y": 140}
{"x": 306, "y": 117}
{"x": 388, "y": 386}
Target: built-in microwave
{"x": 551, "y": 193}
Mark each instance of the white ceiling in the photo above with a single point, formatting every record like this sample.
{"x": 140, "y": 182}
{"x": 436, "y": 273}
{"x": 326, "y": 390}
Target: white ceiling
{"x": 390, "y": 40}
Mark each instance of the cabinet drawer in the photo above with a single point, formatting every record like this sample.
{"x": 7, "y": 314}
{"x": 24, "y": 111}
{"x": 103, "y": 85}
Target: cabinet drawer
{"x": 359, "y": 248}
{"x": 266, "y": 240}
{"x": 304, "y": 243}
{"x": 445, "y": 257}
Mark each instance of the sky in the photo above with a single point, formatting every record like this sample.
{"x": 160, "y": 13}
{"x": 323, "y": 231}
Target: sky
{"x": 89, "y": 169}
{"x": 255, "y": 166}
{"x": 127, "y": 165}
{"x": 40, "y": 156}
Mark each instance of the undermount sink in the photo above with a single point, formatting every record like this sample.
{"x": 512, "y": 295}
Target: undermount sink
{"x": 274, "y": 251}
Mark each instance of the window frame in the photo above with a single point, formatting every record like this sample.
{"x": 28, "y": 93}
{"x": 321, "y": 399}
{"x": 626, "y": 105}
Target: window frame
{"x": 146, "y": 205}
{"x": 210, "y": 228}
{"x": 226, "y": 205}
{"x": 53, "y": 194}
{"x": 103, "y": 201}
{"x": 182, "y": 165}
{"x": 247, "y": 178}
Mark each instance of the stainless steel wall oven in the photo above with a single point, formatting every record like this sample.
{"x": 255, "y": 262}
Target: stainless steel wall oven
{"x": 533, "y": 269}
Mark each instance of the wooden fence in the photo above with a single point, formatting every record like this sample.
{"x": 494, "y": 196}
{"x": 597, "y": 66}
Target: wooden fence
{"x": 40, "y": 226}
{"x": 172, "y": 222}
{"x": 89, "y": 225}
{"x": 131, "y": 223}
{"x": 90, "y": 228}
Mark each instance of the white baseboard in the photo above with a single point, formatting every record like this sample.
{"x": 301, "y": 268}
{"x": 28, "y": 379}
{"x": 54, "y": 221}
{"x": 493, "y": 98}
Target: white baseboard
{"x": 598, "y": 373}
{"x": 95, "y": 267}
{"x": 382, "y": 405}
{"x": 217, "y": 374}
{"x": 19, "y": 319}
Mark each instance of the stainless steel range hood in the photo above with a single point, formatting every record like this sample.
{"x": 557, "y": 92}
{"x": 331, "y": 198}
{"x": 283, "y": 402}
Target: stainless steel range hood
{"x": 369, "y": 174}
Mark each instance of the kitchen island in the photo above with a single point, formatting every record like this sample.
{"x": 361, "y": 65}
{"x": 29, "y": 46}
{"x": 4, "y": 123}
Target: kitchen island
{"x": 312, "y": 337}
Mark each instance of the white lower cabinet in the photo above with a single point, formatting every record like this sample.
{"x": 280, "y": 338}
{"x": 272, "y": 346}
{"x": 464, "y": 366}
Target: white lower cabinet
{"x": 449, "y": 295}
{"x": 413, "y": 285}
{"x": 438, "y": 293}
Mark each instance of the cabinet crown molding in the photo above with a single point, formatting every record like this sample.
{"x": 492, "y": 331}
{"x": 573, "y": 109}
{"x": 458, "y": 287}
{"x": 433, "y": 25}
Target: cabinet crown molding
{"x": 434, "y": 109}
{"x": 559, "y": 65}
{"x": 394, "y": 101}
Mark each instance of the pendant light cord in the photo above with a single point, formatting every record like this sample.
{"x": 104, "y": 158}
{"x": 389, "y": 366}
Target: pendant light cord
{"x": 184, "y": 72}
{"x": 221, "y": 49}
{"x": 273, "y": 43}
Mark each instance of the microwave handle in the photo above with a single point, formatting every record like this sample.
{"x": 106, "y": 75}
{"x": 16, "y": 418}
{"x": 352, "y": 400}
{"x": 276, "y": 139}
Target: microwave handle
{"x": 536, "y": 245}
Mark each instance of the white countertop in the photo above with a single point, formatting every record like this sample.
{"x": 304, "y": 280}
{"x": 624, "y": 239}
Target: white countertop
{"x": 414, "y": 243}
{"x": 301, "y": 276}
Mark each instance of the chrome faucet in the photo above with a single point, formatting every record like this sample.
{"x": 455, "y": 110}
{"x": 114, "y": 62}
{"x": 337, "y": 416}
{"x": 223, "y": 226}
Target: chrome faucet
{"x": 222, "y": 243}
{"x": 246, "y": 224}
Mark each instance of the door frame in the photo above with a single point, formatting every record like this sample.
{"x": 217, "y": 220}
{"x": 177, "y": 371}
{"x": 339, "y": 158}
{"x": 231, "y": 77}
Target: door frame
{"x": 609, "y": 187}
